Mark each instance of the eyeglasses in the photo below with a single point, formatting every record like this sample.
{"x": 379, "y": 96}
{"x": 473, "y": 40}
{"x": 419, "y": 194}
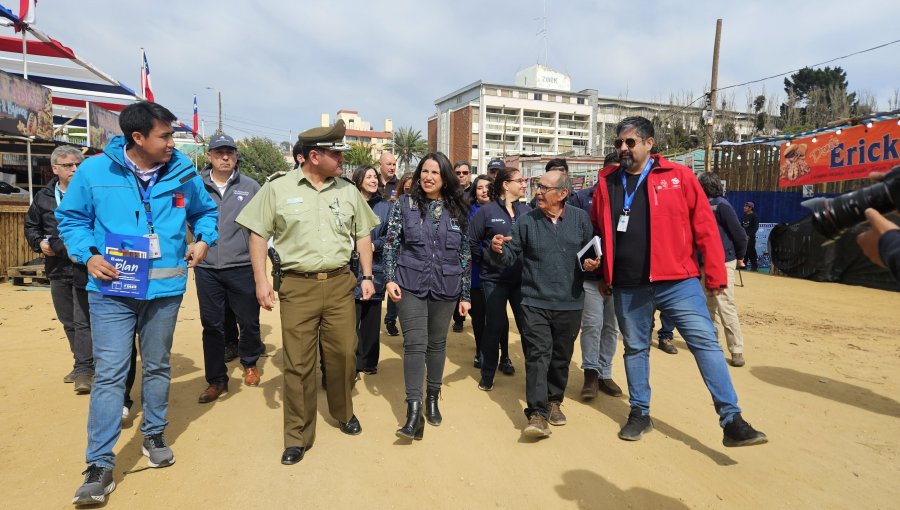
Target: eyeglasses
{"x": 460, "y": 174}
{"x": 518, "y": 181}
{"x": 544, "y": 189}
{"x": 67, "y": 165}
{"x": 630, "y": 142}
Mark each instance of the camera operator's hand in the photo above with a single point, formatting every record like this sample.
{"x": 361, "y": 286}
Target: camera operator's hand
{"x": 869, "y": 239}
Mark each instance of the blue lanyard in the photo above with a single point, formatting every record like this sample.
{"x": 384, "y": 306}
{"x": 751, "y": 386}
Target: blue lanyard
{"x": 145, "y": 198}
{"x": 59, "y": 194}
{"x": 629, "y": 197}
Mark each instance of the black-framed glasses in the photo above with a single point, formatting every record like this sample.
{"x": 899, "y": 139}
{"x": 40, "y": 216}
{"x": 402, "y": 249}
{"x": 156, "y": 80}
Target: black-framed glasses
{"x": 544, "y": 189}
{"x": 67, "y": 165}
{"x": 630, "y": 142}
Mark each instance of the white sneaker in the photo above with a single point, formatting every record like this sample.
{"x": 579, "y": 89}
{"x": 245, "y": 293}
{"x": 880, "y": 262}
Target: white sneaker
{"x": 125, "y": 412}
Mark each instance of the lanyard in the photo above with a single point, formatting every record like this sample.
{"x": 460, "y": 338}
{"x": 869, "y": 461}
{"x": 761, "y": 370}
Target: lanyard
{"x": 59, "y": 194}
{"x": 629, "y": 197}
{"x": 145, "y": 198}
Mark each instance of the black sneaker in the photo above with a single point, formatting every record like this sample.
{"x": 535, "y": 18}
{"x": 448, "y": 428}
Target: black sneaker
{"x": 391, "y": 328}
{"x": 740, "y": 433}
{"x": 477, "y": 362}
{"x": 457, "y": 326}
{"x": 507, "y": 367}
{"x": 98, "y": 482}
{"x": 638, "y": 424}
{"x": 231, "y": 353}
{"x": 485, "y": 385}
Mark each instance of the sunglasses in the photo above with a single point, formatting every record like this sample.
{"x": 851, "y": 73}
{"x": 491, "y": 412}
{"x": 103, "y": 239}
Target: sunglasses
{"x": 630, "y": 142}
{"x": 462, "y": 173}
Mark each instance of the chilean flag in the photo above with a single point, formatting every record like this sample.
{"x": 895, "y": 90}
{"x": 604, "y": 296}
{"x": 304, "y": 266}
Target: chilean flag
{"x": 196, "y": 117}
{"x": 26, "y": 12}
{"x": 145, "y": 79}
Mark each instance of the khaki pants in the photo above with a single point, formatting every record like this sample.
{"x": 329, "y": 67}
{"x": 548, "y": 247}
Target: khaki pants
{"x": 314, "y": 311}
{"x": 723, "y": 307}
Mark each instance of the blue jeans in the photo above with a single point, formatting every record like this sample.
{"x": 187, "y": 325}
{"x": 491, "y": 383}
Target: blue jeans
{"x": 599, "y": 331}
{"x": 683, "y": 302}
{"x": 113, "y": 323}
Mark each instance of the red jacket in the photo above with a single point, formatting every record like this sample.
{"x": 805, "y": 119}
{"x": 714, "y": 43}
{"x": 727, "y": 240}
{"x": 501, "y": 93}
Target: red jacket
{"x": 680, "y": 219}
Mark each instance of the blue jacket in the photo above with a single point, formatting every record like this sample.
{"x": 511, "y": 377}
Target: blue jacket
{"x": 734, "y": 239}
{"x": 104, "y": 197}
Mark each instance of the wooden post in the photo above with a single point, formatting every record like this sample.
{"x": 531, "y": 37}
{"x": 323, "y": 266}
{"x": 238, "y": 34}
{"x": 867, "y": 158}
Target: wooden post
{"x": 712, "y": 95}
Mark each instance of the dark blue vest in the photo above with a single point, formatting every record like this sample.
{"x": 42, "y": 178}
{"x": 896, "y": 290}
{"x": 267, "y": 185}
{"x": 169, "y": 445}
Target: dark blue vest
{"x": 428, "y": 263}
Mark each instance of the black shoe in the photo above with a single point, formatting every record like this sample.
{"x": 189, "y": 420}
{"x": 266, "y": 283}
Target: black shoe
{"x": 485, "y": 385}
{"x": 370, "y": 371}
{"x": 415, "y": 422}
{"x": 636, "y": 426}
{"x": 231, "y": 353}
{"x": 740, "y": 433}
{"x": 506, "y": 366}
{"x": 432, "y": 413}
{"x": 391, "y": 328}
{"x": 458, "y": 326}
{"x": 292, "y": 455}
{"x": 666, "y": 345}
{"x": 352, "y": 427}
{"x": 477, "y": 362}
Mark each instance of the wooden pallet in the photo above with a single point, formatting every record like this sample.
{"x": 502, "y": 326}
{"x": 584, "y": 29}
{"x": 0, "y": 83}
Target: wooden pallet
{"x": 34, "y": 274}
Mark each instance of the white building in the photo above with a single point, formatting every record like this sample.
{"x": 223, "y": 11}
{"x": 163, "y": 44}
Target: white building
{"x": 361, "y": 131}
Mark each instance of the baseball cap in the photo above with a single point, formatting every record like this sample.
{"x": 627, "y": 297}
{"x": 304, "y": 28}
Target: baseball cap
{"x": 749, "y": 204}
{"x": 221, "y": 140}
{"x": 496, "y": 164}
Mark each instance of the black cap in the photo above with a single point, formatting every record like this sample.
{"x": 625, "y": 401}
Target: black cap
{"x": 496, "y": 164}
{"x": 221, "y": 140}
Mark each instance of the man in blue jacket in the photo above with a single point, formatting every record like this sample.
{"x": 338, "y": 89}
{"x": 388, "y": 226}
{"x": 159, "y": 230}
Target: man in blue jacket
{"x": 139, "y": 186}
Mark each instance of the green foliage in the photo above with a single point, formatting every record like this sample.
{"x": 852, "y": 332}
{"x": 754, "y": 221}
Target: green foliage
{"x": 359, "y": 154}
{"x": 408, "y": 145}
{"x": 817, "y": 97}
{"x": 802, "y": 83}
{"x": 260, "y": 158}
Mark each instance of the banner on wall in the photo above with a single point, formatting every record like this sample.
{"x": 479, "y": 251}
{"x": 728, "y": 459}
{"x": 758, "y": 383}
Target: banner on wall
{"x": 853, "y": 154}
{"x": 103, "y": 125}
{"x": 762, "y": 244}
{"x": 26, "y": 108}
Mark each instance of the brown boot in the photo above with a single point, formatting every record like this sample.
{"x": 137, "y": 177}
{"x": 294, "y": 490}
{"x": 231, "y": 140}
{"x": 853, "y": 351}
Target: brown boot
{"x": 591, "y": 384}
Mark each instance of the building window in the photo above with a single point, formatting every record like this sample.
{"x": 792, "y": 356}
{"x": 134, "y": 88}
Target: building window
{"x": 505, "y": 93}
{"x": 537, "y": 96}
{"x": 580, "y": 100}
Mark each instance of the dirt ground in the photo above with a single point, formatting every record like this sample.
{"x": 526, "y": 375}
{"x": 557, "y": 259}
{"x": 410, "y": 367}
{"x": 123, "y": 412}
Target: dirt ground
{"x": 821, "y": 380}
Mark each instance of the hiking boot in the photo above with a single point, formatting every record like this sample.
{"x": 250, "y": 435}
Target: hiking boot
{"x": 158, "y": 451}
{"x": 98, "y": 482}
{"x": 740, "y": 433}
{"x": 666, "y": 345}
{"x": 636, "y": 426}
{"x": 506, "y": 366}
{"x": 537, "y": 427}
{"x": 83, "y": 384}
{"x": 737, "y": 359}
{"x": 557, "y": 417}
{"x": 391, "y": 328}
{"x": 589, "y": 390}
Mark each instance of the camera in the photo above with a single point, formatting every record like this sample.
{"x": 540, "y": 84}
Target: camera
{"x": 832, "y": 216}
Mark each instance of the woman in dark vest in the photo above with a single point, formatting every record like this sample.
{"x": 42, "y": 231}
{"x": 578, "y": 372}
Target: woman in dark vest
{"x": 480, "y": 195}
{"x": 426, "y": 260}
{"x": 368, "y": 313}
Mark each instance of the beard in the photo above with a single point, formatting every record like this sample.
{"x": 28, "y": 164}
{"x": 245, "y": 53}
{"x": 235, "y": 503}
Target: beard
{"x": 626, "y": 161}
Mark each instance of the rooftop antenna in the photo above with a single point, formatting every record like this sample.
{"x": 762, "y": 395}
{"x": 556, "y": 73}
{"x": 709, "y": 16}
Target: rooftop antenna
{"x": 544, "y": 35}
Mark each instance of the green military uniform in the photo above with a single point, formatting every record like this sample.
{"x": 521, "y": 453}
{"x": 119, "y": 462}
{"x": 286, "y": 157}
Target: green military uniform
{"x": 312, "y": 230}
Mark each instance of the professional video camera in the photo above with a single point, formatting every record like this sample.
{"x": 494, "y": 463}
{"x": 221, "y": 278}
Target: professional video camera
{"x": 832, "y": 216}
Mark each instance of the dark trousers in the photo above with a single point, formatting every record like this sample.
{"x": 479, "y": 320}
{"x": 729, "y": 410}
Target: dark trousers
{"x": 751, "y": 259}
{"x": 230, "y": 327}
{"x": 550, "y": 338}
{"x": 236, "y": 285}
{"x": 457, "y": 318}
{"x": 73, "y": 312}
{"x": 424, "y": 323}
{"x": 496, "y": 330}
{"x": 390, "y": 316}
{"x": 477, "y": 312}
{"x": 368, "y": 334}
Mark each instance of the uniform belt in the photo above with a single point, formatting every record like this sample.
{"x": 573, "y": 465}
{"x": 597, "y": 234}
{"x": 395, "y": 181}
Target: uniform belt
{"x": 318, "y": 276}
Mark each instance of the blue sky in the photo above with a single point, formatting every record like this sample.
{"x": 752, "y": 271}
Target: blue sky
{"x": 280, "y": 64}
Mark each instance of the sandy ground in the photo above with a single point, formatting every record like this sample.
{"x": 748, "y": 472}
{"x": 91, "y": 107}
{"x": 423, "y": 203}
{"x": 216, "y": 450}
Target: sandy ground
{"x": 821, "y": 381}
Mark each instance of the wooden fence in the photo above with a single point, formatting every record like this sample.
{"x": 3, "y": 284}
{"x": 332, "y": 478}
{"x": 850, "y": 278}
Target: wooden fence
{"x": 14, "y": 250}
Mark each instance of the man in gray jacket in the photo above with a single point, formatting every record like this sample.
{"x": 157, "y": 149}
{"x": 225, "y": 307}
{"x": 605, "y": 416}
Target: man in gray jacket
{"x": 225, "y": 277}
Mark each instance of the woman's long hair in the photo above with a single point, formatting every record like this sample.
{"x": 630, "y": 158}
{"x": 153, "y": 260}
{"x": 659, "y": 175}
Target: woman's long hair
{"x": 450, "y": 192}
{"x": 503, "y": 175}
{"x": 473, "y": 194}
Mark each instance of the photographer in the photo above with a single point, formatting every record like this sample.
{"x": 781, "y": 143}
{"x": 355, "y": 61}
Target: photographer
{"x": 881, "y": 243}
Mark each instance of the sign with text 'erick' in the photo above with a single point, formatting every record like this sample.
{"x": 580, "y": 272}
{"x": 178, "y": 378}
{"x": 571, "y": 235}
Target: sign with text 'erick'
{"x": 853, "y": 154}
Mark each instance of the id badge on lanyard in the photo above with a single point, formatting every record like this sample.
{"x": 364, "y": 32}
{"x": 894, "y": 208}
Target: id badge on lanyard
{"x": 154, "y": 251}
{"x": 629, "y": 197}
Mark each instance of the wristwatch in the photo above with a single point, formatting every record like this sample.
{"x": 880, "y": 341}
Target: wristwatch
{"x": 371, "y": 278}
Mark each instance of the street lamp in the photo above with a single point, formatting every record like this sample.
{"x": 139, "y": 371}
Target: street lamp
{"x": 218, "y": 131}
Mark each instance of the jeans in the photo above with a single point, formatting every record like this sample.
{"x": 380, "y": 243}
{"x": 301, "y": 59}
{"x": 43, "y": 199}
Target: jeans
{"x": 599, "y": 331}
{"x": 390, "y": 316}
{"x": 684, "y": 302}
{"x": 550, "y": 337}
{"x": 368, "y": 334}
{"x": 496, "y": 329}
{"x": 218, "y": 289}
{"x": 114, "y": 320}
{"x": 71, "y": 304}
{"x": 666, "y": 328}
{"x": 424, "y": 323}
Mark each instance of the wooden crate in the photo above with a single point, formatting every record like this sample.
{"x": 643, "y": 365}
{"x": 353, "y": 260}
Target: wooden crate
{"x": 34, "y": 274}
{"x": 14, "y": 250}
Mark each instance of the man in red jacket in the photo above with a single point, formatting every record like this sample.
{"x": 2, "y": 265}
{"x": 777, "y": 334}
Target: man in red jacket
{"x": 644, "y": 199}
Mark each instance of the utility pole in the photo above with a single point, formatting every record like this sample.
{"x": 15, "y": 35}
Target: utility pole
{"x": 218, "y": 131}
{"x": 713, "y": 83}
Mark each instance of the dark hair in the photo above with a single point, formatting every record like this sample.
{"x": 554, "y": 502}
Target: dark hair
{"x": 642, "y": 126}
{"x": 503, "y": 175}
{"x": 407, "y": 176}
{"x": 556, "y": 163}
{"x": 460, "y": 163}
{"x": 612, "y": 157}
{"x": 450, "y": 192}
{"x": 359, "y": 175}
{"x": 473, "y": 194}
{"x": 140, "y": 116}
{"x": 711, "y": 184}
{"x": 296, "y": 150}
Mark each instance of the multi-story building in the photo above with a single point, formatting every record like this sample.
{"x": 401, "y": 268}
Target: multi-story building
{"x": 360, "y": 131}
{"x": 541, "y": 116}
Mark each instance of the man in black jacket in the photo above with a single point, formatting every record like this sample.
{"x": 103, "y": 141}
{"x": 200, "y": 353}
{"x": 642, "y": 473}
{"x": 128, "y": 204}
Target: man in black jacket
{"x": 67, "y": 279}
{"x": 751, "y": 225}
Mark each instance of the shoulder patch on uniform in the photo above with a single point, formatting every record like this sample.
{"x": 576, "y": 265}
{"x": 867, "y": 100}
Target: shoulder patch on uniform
{"x": 275, "y": 176}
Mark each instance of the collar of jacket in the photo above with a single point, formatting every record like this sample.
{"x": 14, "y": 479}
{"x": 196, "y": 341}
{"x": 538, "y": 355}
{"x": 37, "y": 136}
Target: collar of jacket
{"x": 177, "y": 167}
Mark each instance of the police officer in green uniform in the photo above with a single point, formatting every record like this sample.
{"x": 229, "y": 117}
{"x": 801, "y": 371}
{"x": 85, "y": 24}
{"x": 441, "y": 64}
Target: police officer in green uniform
{"x": 315, "y": 217}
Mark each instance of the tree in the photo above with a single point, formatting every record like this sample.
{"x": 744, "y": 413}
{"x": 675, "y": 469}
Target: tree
{"x": 359, "y": 154}
{"x": 819, "y": 96}
{"x": 805, "y": 81}
{"x": 260, "y": 158}
{"x": 407, "y": 145}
